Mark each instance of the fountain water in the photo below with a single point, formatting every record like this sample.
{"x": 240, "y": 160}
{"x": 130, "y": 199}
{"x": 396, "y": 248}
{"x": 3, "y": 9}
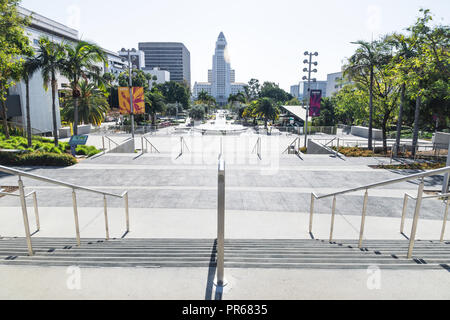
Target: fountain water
{"x": 220, "y": 126}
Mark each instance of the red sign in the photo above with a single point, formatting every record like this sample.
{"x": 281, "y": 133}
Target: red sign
{"x": 315, "y": 102}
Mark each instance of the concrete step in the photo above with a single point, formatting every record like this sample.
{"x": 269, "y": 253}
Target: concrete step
{"x": 268, "y": 253}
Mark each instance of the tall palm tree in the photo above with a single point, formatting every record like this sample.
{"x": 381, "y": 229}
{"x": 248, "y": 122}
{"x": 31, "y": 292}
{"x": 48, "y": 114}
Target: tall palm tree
{"x": 405, "y": 51}
{"x": 361, "y": 66}
{"x": 266, "y": 109}
{"x": 82, "y": 63}
{"x": 29, "y": 68}
{"x": 50, "y": 57}
{"x": 92, "y": 104}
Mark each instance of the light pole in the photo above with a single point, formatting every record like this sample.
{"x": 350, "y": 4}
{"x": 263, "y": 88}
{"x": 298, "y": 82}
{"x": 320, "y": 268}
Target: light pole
{"x": 130, "y": 85}
{"x": 309, "y": 70}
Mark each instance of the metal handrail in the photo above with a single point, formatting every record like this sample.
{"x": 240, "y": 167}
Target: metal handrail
{"x": 109, "y": 142}
{"x": 74, "y": 188}
{"x": 366, "y": 195}
{"x": 405, "y": 205}
{"x": 35, "y": 204}
{"x": 147, "y": 142}
{"x": 257, "y": 148}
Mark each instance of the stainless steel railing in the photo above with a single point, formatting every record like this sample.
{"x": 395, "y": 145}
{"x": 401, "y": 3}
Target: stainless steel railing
{"x": 22, "y": 174}
{"x": 35, "y": 205}
{"x": 147, "y": 143}
{"x": 220, "y": 279}
{"x": 366, "y": 188}
{"x": 109, "y": 140}
{"x": 445, "y": 196}
{"x": 257, "y": 148}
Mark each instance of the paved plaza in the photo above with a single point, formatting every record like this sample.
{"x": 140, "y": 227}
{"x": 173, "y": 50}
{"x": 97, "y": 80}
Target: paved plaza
{"x": 174, "y": 196}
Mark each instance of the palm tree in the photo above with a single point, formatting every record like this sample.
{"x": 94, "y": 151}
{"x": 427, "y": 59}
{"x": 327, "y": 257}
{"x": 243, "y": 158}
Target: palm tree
{"x": 92, "y": 104}
{"x": 154, "y": 103}
{"x": 81, "y": 63}
{"x": 405, "y": 51}
{"x": 236, "y": 98}
{"x": 50, "y": 60}
{"x": 266, "y": 109}
{"x": 361, "y": 65}
{"x": 29, "y": 68}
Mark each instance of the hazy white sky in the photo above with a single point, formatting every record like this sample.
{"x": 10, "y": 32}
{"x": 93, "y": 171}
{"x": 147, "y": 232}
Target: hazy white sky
{"x": 266, "y": 38}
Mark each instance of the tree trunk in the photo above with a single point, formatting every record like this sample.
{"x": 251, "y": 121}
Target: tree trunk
{"x": 416, "y": 124}
{"x": 384, "y": 132}
{"x": 399, "y": 122}
{"x": 75, "y": 116}
{"x": 27, "y": 107}
{"x": 5, "y": 119}
{"x": 370, "y": 110}
{"x": 55, "y": 124}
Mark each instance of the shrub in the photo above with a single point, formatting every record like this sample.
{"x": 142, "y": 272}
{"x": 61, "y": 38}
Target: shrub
{"x": 37, "y": 159}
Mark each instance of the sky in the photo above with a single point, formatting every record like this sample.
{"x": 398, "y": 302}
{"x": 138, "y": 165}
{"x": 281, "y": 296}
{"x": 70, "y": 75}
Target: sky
{"x": 266, "y": 38}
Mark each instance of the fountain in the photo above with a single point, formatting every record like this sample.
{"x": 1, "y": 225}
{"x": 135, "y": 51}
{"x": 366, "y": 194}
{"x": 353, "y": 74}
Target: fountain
{"x": 220, "y": 126}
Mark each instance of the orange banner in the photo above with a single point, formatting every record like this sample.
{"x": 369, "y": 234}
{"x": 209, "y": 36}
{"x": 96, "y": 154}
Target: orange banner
{"x": 138, "y": 100}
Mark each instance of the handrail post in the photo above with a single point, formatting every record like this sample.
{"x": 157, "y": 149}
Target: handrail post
{"x": 363, "y": 218}
{"x": 36, "y": 211}
{"x": 105, "y": 206}
{"x": 220, "y": 280}
{"x": 25, "y": 216}
{"x": 103, "y": 143}
{"x": 445, "y": 220}
{"x": 127, "y": 211}
{"x": 75, "y": 213}
{"x": 142, "y": 145}
{"x": 405, "y": 206}
{"x": 311, "y": 213}
{"x": 333, "y": 211}
{"x": 416, "y": 219}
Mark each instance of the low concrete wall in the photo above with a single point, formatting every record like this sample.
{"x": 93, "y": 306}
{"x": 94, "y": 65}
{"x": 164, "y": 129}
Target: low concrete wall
{"x": 317, "y": 148}
{"x": 364, "y": 132}
{"x": 86, "y": 129}
{"x": 64, "y": 132}
{"x": 126, "y": 147}
{"x": 441, "y": 139}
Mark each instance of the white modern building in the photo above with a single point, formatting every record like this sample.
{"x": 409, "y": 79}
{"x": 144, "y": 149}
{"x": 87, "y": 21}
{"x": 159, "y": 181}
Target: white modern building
{"x": 162, "y": 76}
{"x": 221, "y": 78}
{"x": 41, "y": 100}
{"x": 335, "y": 82}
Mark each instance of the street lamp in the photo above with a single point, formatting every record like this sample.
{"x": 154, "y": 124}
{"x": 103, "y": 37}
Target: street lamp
{"x": 309, "y": 70}
{"x": 130, "y": 84}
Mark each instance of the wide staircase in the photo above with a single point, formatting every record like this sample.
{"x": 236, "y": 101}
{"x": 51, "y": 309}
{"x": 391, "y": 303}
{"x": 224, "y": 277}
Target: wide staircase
{"x": 288, "y": 254}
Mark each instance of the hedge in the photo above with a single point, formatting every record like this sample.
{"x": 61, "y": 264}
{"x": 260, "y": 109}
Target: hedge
{"x": 37, "y": 159}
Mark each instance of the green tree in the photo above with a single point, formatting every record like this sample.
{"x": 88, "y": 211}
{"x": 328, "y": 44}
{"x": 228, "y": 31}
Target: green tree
{"x": 175, "y": 92}
{"x": 154, "y": 103}
{"x": 81, "y": 63}
{"x": 197, "y": 112}
{"x": 92, "y": 104}
{"x": 266, "y": 109}
{"x": 51, "y": 56}
{"x": 273, "y": 91}
{"x": 253, "y": 90}
{"x": 238, "y": 98}
{"x": 361, "y": 68}
{"x": 138, "y": 79}
{"x": 28, "y": 69}
{"x": 14, "y": 44}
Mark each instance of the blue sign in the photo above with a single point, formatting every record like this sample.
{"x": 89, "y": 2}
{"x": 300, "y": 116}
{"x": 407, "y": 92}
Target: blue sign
{"x": 78, "y": 140}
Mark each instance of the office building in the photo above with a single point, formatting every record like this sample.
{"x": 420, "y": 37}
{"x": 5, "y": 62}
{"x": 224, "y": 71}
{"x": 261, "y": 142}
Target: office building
{"x": 169, "y": 56}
